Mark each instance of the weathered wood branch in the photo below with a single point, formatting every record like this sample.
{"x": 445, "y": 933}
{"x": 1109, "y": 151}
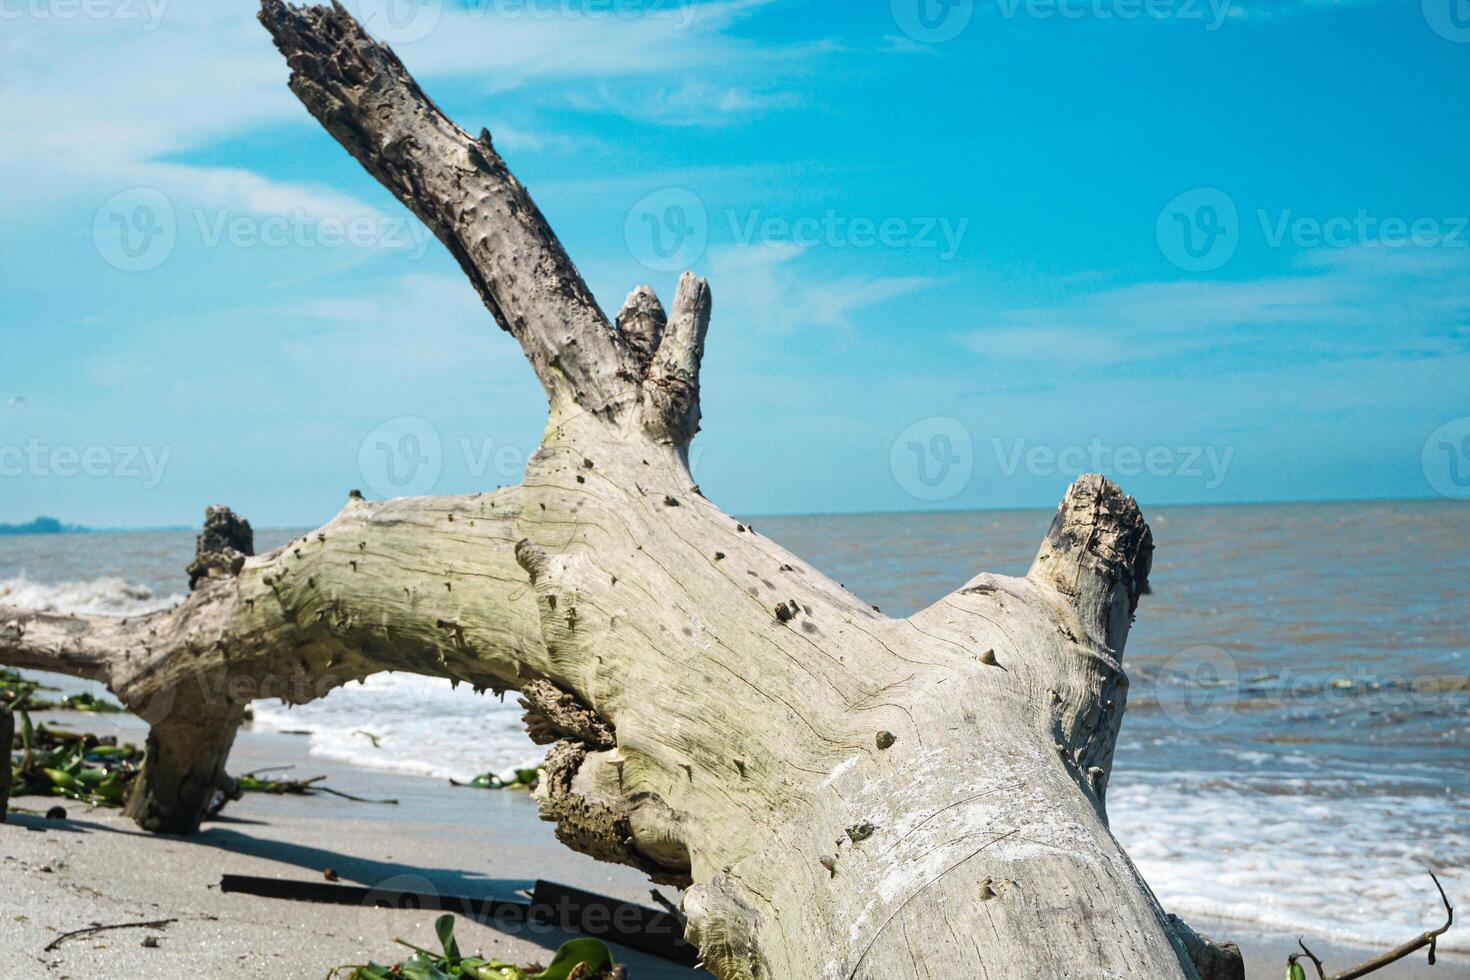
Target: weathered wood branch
{"x": 463, "y": 191}
{"x": 848, "y": 794}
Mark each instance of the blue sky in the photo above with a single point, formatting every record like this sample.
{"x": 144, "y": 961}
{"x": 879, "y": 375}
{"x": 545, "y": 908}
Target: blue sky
{"x": 1217, "y": 250}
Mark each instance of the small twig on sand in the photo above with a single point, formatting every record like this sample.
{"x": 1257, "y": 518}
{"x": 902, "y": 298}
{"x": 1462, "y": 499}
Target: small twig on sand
{"x": 158, "y": 924}
{"x": 349, "y": 796}
{"x": 1429, "y": 939}
{"x": 251, "y": 783}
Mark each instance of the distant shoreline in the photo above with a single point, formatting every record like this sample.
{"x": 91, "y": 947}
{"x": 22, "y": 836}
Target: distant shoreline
{"x": 45, "y": 526}
{"x": 49, "y": 525}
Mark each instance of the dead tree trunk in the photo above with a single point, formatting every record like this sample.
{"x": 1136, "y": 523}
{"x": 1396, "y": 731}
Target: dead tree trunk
{"x": 848, "y": 795}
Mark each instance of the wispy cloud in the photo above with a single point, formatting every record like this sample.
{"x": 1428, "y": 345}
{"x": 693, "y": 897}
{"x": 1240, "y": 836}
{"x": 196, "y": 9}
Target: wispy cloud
{"x": 1338, "y": 303}
{"x": 109, "y": 100}
{"x": 691, "y": 102}
{"x": 776, "y": 296}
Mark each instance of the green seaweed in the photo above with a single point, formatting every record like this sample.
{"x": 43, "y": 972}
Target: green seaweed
{"x": 523, "y": 779}
{"x": 577, "y": 959}
{"x": 16, "y": 690}
{"x": 55, "y": 762}
{"x": 92, "y": 769}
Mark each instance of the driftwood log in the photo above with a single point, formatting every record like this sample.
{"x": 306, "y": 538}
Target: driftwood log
{"x": 844, "y": 794}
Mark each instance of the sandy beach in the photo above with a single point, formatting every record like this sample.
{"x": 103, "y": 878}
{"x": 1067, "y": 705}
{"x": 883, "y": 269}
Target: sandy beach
{"x": 97, "y": 868}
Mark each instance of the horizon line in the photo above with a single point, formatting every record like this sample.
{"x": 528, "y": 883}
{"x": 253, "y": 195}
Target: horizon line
{"x": 72, "y": 528}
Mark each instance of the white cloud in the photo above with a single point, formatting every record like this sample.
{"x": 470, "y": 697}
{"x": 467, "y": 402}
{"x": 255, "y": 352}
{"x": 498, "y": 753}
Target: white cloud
{"x": 1352, "y": 302}
{"x": 96, "y": 105}
{"x": 769, "y": 291}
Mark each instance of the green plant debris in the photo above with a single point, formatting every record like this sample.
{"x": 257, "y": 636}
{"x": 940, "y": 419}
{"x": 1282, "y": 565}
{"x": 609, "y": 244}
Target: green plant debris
{"x": 47, "y": 760}
{"x": 520, "y": 778}
{"x": 53, "y": 762}
{"x": 17, "y": 690}
{"x": 577, "y": 959}
{"x": 252, "y": 782}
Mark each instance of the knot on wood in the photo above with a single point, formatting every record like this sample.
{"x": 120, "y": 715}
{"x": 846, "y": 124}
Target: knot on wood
{"x": 581, "y": 791}
{"x": 553, "y": 714}
{"x": 532, "y": 558}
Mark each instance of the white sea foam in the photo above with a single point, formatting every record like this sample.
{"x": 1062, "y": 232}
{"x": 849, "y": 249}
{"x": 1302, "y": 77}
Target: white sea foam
{"x": 1350, "y": 868}
{"x": 96, "y": 597}
{"x": 422, "y": 726}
